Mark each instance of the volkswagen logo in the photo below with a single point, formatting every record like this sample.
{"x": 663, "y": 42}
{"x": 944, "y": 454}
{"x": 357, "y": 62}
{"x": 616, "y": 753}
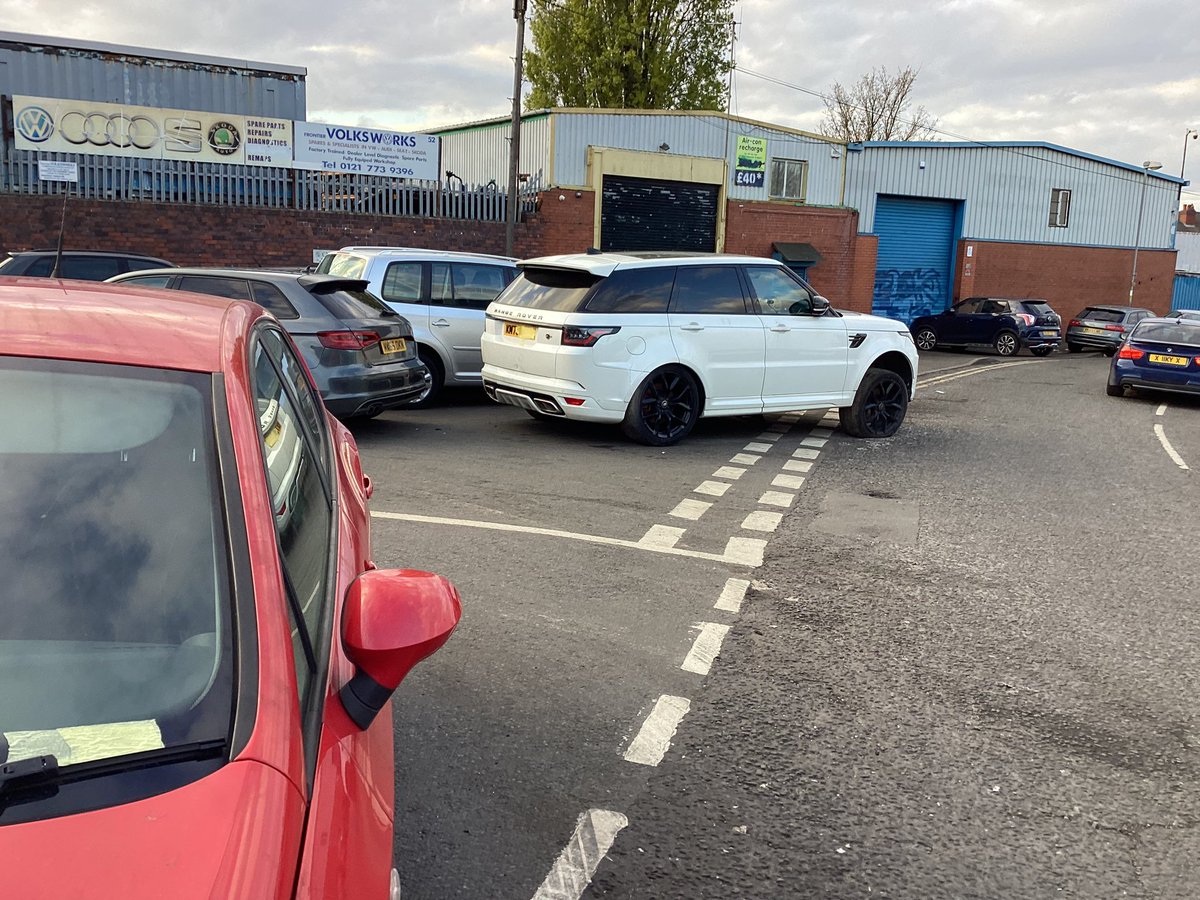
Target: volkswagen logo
{"x": 34, "y": 124}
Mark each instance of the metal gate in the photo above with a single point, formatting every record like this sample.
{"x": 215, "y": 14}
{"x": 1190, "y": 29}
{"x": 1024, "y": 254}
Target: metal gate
{"x": 913, "y": 266}
{"x": 651, "y": 214}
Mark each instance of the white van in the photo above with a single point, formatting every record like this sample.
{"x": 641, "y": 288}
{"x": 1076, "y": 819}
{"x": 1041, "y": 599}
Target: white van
{"x": 442, "y": 293}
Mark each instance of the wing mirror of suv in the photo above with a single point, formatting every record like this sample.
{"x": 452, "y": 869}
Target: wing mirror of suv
{"x": 820, "y": 305}
{"x": 391, "y": 621}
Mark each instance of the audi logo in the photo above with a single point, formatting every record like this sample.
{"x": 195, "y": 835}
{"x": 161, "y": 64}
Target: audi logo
{"x": 116, "y": 130}
{"x": 177, "y": 134}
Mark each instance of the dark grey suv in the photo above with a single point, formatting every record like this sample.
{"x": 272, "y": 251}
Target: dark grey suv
{"x": 360, "y": 352}
{"x": 83, "y": 265}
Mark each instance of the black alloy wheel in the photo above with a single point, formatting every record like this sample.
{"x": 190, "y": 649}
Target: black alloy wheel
{"x": 663, "y": 409}
{"x": 879, "y": 406}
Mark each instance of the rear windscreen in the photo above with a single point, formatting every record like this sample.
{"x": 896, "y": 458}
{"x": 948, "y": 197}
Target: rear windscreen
{"x": 561, "y": 290}
{"x": 1167, "y": 333}
{"x": 1102, "y": 315}
{"x": 353, "y": 304}
{"x": 1037, "y": 308}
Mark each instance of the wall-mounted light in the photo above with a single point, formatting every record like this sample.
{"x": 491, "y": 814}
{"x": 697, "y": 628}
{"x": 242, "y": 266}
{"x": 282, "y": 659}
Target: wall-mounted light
{"x": 664, "y": 146}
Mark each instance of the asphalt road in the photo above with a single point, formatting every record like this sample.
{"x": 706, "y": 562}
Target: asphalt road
{"x": 965, "y": 668}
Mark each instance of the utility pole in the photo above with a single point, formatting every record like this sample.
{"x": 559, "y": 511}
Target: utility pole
{"x": 514, "y": 144}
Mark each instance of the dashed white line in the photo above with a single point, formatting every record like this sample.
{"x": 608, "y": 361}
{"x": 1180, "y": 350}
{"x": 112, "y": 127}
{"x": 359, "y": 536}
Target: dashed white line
{"x": 762, "y": 521}
{"x": 690, "y": 509}
{"x": 814, "y": 442}
{"x": 1162, "y": 409}
{"x": 661, "y": 536}
{"x": 748, "y": 551}
{"x": 821, "y": 432}
{"x": 769, "y": 436}
{"x": 705, "y": 648}
{"x": 757, "y": 448}
{"x": 806, "y": 453}
{"x": 788, "y": 481}
{"x": 651, "y": 743}
{"x": 731, "y": 472}
{"x": 572, "y": 872}
{"x": 1162, "y": 439}
{"x": 745, "y": 459}
{"x": 777, "y": 498}
{"x": 797, "y": 465}
{"x": 712, "y": 488}
{"x": 732, "y": 595}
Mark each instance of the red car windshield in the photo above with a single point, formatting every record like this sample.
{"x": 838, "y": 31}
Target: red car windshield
{"x": 115, "y": 635}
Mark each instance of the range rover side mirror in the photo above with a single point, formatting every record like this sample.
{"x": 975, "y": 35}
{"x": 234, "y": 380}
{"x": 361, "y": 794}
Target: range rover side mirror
{"x": 820, "y": 305}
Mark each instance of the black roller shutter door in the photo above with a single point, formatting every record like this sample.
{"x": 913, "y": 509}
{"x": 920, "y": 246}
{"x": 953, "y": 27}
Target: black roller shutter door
{"x": 649, "y": 214}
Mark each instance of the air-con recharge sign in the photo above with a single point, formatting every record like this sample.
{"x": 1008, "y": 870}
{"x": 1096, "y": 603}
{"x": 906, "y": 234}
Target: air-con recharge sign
{"x": 751, "y": 167}
{"x": 365, "y": 151}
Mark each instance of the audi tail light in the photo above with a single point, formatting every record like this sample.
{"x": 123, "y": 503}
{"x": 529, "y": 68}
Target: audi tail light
{"x": 1128, "y": 352}
{"x": 348, "y": 340}
{"x": 586, "y": 336}
{"x": 1120, "y": 328}
{"x": 1074, "y": 323}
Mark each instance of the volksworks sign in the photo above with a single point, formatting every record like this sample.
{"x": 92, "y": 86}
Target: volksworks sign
{"x": 111, "y": 129}
{"x": 366, "y": 151}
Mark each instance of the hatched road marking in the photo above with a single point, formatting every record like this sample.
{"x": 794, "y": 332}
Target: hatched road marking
{"x": 572, "y": 872}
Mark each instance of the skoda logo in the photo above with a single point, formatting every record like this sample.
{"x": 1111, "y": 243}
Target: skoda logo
{"x": 34, "y": 124}
{"x": 224, "y": 138}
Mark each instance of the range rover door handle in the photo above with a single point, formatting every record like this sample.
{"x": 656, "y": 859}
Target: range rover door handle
{"x": 691, "y": 326}
{"x": 780, "y": 329}
{"x": 441, "y": 323}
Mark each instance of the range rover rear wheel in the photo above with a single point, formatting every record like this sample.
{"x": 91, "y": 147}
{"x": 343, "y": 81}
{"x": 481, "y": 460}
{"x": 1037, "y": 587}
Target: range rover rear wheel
{"x": 664, "y": 408}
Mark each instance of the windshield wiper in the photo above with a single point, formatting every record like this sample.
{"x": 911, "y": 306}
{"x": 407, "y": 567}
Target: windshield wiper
{"x": 24, "y": 773}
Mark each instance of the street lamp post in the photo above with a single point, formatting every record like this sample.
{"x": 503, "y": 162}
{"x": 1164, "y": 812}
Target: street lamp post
{"x": 1191, "y": 132}
{"x": 1148, "y": 166}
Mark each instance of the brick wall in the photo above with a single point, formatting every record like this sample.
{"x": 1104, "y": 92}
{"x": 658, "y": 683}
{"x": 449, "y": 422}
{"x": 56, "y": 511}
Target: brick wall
{"x": 846, "y": 272}
{"x": 1070, "y": 278}
{"x": 559, "y": 225}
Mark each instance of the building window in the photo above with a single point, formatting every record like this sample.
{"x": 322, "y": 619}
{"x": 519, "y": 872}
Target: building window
{"x": 1060, "y": 207}
{"x": 789, "y": 178}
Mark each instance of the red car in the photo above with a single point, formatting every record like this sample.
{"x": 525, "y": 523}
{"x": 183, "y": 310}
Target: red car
{"x": 196, "y": 651}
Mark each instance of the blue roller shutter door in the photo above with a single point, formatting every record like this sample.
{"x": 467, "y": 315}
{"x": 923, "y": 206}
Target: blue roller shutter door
{"x": 916, "y": 244}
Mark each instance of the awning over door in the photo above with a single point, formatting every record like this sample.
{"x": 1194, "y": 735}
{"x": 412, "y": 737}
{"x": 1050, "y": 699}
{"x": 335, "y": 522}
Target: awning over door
{"x": 797, "y": 254}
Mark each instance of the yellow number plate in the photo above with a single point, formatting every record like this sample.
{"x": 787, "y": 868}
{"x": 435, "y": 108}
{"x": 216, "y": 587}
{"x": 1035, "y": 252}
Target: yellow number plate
{"x": 399, "y": 345}
{"x": 524, "y": 332}
{"x": 1093, "y": 331}
{"x": 1169, "y": 360}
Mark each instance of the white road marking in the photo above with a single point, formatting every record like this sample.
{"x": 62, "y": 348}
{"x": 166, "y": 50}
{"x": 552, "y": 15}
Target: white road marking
{"x": 788, "y": 481}
{"x": 769, "y": 436}
{"x": 762, "y": 521}
{"x": 661, "y": 536}
{"x": 806, "y": 453}
{"x": 730, "y": 472}
{"x": 1162, "y": 439}
{"x": 572, "y": 872}
{"x": 651, "y": 743}
{"x": 934, "y": 378}
{"x": 748, "y": 551}
{"x": 757, "y": 448}
{"x": 690, "y": 509}
{"x": 739, "y": 556}
{"x": 814, "y": 442}
{"x": 706, "y": 648}
{"x": 745, "y": 459}
{"x": 732, "y": 595}
{"x": 1162, "y": 409}
{"x": 777, "y": 498}
{"x": 797, "y": 465}
{"x": 712, "y": 488}
{"x": 821, "y": 432}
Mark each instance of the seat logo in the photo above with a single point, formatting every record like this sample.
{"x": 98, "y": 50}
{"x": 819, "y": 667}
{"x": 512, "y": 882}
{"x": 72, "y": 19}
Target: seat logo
{"x": 35, "y": 124}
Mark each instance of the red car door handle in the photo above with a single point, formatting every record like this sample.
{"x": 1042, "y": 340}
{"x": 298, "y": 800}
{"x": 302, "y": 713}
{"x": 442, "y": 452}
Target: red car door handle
{"x": 368, "y": 488}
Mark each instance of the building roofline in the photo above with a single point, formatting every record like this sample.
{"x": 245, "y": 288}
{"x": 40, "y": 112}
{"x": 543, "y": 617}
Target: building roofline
{"x": 1014, "y": 145}
{"x": 38, "y": 40}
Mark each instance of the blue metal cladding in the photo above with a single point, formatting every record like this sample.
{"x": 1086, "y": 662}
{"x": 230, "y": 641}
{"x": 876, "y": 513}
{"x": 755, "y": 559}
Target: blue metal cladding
{"x": 1187, "y": 292}
{"x": 913, "y": 265}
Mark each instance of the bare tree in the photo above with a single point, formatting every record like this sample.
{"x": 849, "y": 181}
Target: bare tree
{"x": 876, "y": 108}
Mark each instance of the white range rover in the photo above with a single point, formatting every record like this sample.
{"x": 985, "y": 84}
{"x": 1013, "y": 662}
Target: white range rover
{"x": 653, "y": 341}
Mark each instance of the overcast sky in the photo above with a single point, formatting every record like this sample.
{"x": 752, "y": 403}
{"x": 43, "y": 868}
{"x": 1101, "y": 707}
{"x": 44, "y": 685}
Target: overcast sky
{"x": 1116, "y": 78}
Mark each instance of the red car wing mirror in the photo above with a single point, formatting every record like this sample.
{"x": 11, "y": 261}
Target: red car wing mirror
{"x": 393, "y": 619}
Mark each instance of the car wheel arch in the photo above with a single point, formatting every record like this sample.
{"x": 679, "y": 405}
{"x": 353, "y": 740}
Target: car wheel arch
{"x": 636, "y": 379}
{"x": 893, "y": 361}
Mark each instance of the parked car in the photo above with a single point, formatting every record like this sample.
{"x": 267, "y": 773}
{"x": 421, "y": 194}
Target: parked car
{"x": 1184, "y": 314}
{"x": 360, "y": 352}
{"x": 194, "y": 689}
{"x": 443, "y": 294}
{"x": 1103, "y": 327}
{"x": 1159, "y": 354}
{"x": 84, "y": 265}
{"x": 655, "y": 341}
{"x": 1002, "y": 324}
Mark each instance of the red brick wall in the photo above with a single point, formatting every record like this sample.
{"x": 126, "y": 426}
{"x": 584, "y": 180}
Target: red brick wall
{"x": 559, "y": 226}
{"x": 846, "y": 272}
{"x": 1070, "y": 278}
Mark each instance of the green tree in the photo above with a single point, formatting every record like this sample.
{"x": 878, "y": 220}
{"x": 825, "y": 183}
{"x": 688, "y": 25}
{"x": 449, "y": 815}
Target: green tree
{"x": 629, "y": 54}
{"x": 876, "y": 108}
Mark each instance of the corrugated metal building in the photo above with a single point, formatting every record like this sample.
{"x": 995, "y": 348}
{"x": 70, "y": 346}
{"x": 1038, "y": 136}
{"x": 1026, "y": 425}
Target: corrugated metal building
{"x": 86, "y": 70}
